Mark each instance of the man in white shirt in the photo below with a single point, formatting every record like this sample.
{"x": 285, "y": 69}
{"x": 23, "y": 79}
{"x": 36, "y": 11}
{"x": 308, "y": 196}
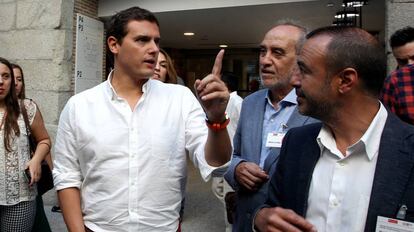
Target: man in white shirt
{"x": 121, "y": 146}
{"x": 355, "y": 168}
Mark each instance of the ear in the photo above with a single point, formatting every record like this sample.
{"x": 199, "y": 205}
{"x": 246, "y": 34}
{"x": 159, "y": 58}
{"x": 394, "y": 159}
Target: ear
{"x": 347, "y": 80}
{"x": 112, "y": 44}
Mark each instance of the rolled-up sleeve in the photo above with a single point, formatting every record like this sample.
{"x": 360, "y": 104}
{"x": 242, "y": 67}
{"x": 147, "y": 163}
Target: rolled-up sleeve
{"x": 196, "y": 133}
{"x": 66, "y": 171}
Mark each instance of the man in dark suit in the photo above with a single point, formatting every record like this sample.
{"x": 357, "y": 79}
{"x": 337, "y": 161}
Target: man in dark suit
{"x": 265, "y": 117}
{"x": 358, "y": 164}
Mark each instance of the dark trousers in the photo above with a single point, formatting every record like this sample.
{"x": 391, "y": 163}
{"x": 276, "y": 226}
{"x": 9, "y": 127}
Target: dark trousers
{"x": 41, "y": 223}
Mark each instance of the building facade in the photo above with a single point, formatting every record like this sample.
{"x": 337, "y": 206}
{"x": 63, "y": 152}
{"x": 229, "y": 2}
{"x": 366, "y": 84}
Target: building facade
{"x": 40, "y": 36}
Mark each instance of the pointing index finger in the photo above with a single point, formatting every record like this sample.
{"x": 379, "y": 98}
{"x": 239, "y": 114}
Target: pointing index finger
{"x": 218, "y": 63}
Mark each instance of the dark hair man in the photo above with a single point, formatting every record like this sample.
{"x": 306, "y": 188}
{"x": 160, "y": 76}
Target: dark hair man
{"x": 120, "y": 154}
{"x": 398, "y": 90}
{"x": 356, "y": 167}
{"x": 402, "y": 45}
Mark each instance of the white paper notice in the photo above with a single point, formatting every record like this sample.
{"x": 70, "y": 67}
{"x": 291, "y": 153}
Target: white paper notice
{"x": 385, "y": 224}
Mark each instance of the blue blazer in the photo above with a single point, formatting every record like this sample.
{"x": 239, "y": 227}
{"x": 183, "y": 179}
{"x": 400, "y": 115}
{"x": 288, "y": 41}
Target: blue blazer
{"x": 247, "y": 147}
{"x": 393, "y": 183}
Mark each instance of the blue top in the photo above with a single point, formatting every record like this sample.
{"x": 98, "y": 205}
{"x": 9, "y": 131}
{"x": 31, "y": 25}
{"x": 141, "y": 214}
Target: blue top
{"x": 275, "y": 121}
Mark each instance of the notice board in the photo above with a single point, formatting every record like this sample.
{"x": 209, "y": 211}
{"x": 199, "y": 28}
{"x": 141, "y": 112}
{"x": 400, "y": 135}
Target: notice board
{"x": 89, "y": 53}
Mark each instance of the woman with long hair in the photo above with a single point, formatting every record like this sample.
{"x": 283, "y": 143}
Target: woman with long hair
{"x": 19, "y": 170}
{"x": 41, "y": 222}
{"x": 164, "y": 69}
{"x": 19, "y": 81}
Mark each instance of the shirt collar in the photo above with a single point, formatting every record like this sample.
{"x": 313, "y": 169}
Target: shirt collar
{"x": 370, "y": 140}
{"x": 112, "y": 92}
{"x": 234, "y": 93}
{"x": 372, "y": 137}
{"x": 289, "y": 99}
{"x": 326, "y": 140}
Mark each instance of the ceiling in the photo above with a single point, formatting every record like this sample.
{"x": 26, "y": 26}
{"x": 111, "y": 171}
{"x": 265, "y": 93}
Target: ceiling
{"x": 244, "y": 26}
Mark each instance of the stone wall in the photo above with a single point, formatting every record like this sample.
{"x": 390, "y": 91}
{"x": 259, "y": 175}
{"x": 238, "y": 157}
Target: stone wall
{"x": 37, "y": 34}
{"x": 398, "y": 14}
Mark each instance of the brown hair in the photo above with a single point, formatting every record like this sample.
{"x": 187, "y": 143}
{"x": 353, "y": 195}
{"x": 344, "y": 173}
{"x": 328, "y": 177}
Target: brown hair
{"x": 171, "y": 73}
{"x": 12, "y": 110}
{"x": 22, "y": 94}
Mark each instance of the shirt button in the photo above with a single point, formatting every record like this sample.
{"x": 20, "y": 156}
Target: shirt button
{"x": 334, "y": 201}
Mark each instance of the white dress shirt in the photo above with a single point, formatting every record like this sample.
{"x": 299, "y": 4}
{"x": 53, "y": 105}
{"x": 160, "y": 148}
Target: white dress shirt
{"x": 128, "y": 164}
{"x": 233, "y": 112}
{"x": 341, "y": 185}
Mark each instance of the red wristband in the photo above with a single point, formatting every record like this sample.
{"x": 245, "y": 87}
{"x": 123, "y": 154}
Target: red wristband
{"x": 218, "y": 126}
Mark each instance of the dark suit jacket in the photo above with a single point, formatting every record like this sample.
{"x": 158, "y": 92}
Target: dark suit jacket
{"x": 393, "y": 181}
{"x": 247, "y": 147}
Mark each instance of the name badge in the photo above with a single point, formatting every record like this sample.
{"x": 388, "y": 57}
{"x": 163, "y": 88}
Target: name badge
{"x": 274, "y": 139}
{"x": 385, "y": 224}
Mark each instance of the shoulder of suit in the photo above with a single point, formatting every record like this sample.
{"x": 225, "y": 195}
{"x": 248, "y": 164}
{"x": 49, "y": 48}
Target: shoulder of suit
{"x": 305, "y": 130}
{"x": 398, "y": 126}
{"x": 256, "y": 95}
